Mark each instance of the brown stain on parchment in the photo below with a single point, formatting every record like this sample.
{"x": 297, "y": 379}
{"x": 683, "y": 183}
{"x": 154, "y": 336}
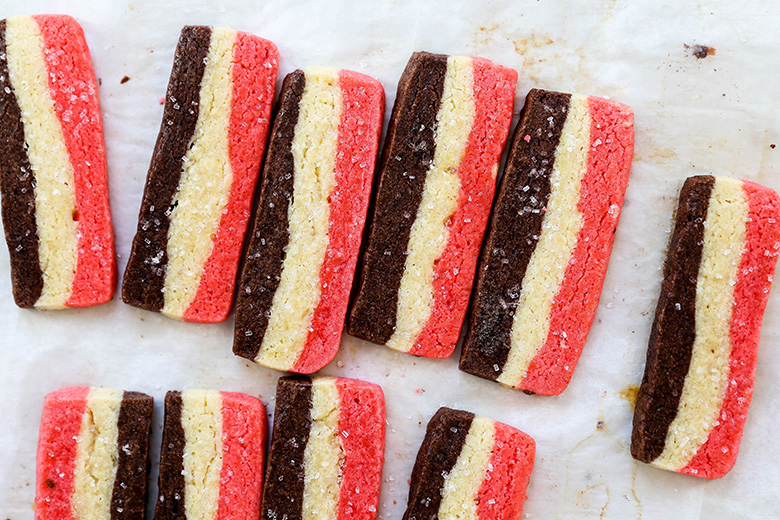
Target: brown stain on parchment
{"x": 534, "y": 41}
{"x": 662, "y": 153}
{"x": 541, "y": 55}
{"x": 630, "y": 394}
{"x": 699, "y": 51}
{"x": 587, "y": 498}
{"x": 657, "y": 155}
{"x": 582, "y": 503}
{"x": 634, "y": 495}
{"x": 532, "y": 61}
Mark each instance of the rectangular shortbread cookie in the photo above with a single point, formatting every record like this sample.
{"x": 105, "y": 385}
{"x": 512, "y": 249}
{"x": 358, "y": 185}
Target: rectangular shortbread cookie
{"x": 436, "y": 182}
{"x": 198, "y": 195}
{"x": 53, "y": 175}
{"x": 701, "y": 360}
{"x": 546, "y": 253}
{"x": 327, "y": 450}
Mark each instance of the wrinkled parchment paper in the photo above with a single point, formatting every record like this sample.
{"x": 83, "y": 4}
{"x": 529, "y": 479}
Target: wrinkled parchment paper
{"x": 696, "y": 112}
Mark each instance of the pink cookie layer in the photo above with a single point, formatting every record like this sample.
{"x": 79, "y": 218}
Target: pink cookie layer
{"x": 73, "y": 87}
{"x": 762, "y": 241}
{"x": 57, "y": 450}
{"x": 243, "y": 457}
{"x": 359, "y": 129}
{"x": 502, "y": 493}
{"x": 601, "y": 198}
{"x": 494, "y": 95}
{"x": 362, "y": 433}
{"x": 255, "y": 64}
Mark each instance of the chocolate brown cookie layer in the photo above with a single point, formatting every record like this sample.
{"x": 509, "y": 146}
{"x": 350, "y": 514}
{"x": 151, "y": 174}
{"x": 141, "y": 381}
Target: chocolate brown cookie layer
{"x": 284, "y": 483}
{"x": 406, "y": 158}
{"x": 17, "y": 186}
{"x": 444, "y": 439}
{"x": 128, "y": 498}
{"x": 674, "y": 326}
{"x": 145, "y": 274}
{"x": 516, "y": 225}
{"x": 262, "y": 270}
{"x": 170, "y": 504}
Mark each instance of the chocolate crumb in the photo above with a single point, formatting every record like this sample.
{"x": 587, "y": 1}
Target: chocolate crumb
{"x": 699, "y": 51}
{"x": 772, "y": 146}
{"x": 50, "y": 483}
{"x": 124, "y": 80}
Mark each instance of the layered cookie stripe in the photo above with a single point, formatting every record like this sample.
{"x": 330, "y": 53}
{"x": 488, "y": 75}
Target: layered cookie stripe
{"x": 327, "y": 450}
{"x": 92, "y": 455}
{"x": 674, "y": 327}
{"x": 211, "y": 465}
{"x": 54, "y": 179}
{"x": 453, "y": 273}
{"x": 503, "y": 490}
{"x": 435, "y": 190}
{"x": 254, "y": 70}
{"x": 538, "y": 289}
{"x": 406, "y": 156}
{"x": 700, "y": 368}
{"x": 470, "y": 467}
{"x": 751, "y": 292}
{"x": 301, "y": 259}
{"x": 204, "y": 168}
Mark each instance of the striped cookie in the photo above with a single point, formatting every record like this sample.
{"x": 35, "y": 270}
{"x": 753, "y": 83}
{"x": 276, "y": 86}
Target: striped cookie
{"x": 701, "y": 360}
{"x": 436, "y": 183}
{"x": 327, "y": 450}
{"x": 211, "y": 463}
{"x": 93, "y": 455}
{"x": 53, "y": 166}
{"x": 470, "y": 467}
{"x": 298, "y": 271}
{"x": 198, "y": 193}
{"x": 547, "y": 249}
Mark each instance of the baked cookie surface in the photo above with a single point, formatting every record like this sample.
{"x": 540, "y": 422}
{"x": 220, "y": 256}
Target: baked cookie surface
{"x": 53, "y": 176}
{"x": 300, "y": 262}
{"x": 327, "y": 450}
{"x": 470, "y": 466}
{"x": 701, "y": 360}
{"x": 436, "y": 181}
{"x": 547, "y": 248}
{"x": 198, "y": 194}
{"x": 93, "y": 455}
{"x": 212, "y": 457}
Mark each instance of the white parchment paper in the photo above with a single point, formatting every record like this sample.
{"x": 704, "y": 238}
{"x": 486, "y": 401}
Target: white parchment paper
{"x": 716, "y": 114}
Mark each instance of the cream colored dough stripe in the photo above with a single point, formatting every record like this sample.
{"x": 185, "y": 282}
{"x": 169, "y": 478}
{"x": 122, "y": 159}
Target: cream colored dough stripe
{"x": 461, "y": 485}
{"x": 428, "y": 236}
{"x": 314, "y": 176}
{"x": 323, "y": 456}
{"x": 201, "y": 420}
{"x": 560, "y": 227}
{"x": 97, "y": 455}
{"x": 206, "y": 179}
{"x": 705, "y": 383}
{"x": 55, "y": 198}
